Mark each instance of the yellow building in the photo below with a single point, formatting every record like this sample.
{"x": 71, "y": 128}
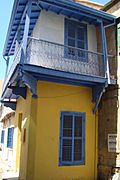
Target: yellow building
{"x": 55, "y": 85}
{"x": 42, "y": 116}
{"x": 8, "y": 135}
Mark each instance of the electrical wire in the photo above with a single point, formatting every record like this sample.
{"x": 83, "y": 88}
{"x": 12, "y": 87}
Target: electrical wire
{"x": 60, "y": 96}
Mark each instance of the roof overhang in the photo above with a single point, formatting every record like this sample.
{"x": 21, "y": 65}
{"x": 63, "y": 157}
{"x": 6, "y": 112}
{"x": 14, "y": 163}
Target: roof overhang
{"x": 109, "y": 5}
{"x": 65, "y": 7}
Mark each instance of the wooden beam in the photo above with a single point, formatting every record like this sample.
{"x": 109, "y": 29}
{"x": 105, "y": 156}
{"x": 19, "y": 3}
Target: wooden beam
{"x": 26, "y": 32}
{"x": 26, "y": 7}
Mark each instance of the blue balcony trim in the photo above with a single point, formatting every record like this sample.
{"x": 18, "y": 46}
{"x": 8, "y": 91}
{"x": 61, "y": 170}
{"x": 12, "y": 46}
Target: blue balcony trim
{"x": 39, "y": 72}
{"x": 28, "y": 75}
{"x": 31, "y": 82}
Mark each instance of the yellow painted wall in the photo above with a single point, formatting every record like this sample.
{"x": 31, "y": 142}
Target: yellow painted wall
{"x": 22, "y": 109}
{"x": 40, "y": 152}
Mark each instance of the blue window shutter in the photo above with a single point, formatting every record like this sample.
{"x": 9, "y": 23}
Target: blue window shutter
{"x": 72, "y": 138}
{"x": 2, "y": 136}
{"x": 83, "y": 139}
{"x": 10, "y": 137}
{"x": 60, "y": 140}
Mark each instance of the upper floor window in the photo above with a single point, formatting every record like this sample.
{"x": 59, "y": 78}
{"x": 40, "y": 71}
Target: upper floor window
{"x": 72, "y": 136}
{"x": 10, "y": 137}
{"x": 2, "y": 136}
{"x": 76, "y": 39}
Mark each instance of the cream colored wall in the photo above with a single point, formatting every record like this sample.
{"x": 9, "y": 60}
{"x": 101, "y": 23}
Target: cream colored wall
{"x": 92, "y": 4}
{"x": 23, "y": 107}
{"x": 92, "y": 38}
{"x": 115, "y": 9}
{"x": 50, "y": 27}
{"x": 8, "y": 154}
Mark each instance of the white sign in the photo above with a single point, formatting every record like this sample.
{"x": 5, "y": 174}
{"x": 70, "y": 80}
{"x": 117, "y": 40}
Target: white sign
{"x": 113, "y": 143}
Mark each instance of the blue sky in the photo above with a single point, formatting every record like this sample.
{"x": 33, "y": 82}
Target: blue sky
{"x": 5, "y": 12}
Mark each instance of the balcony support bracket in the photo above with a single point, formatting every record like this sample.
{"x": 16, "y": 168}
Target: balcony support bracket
{"x": 20, "y": 91}
{"x": 30, "y": 82}
{"x": 97, "y": 92}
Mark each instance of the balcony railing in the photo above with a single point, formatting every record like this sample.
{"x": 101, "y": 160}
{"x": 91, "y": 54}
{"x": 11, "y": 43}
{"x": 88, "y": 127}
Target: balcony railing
{"x": 64, "y": 58}
{"x": 59, "y": 57}
{"x": 12, "y": 68}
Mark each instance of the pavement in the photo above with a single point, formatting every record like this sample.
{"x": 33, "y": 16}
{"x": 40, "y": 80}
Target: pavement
{"x": 6, "y": 171}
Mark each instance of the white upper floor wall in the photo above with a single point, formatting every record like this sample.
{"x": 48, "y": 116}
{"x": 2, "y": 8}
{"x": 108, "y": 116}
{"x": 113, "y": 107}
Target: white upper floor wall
{"x": 51, "y": 27}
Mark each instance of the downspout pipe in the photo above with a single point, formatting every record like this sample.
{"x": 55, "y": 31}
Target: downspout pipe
{"x": 107, "y": 67}
{"x": 98, "y": 101}
{"x": 108, "y": 75}
{"x": 7, "y": 64}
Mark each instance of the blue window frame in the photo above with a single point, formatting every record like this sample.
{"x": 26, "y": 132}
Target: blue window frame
{"x": 10, "y": 137}
{"x": 76, "y": 40}
{"x": 72, "y": 138}
{"x": 2, "y": 136}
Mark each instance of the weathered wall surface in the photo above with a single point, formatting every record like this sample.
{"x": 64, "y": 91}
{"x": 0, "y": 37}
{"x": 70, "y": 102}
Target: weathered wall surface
{"x": 107, "y": 124}
{"x": 108, "y": 115}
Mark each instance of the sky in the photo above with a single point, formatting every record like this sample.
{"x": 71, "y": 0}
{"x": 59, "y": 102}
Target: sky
{"x": 5, "y": 12}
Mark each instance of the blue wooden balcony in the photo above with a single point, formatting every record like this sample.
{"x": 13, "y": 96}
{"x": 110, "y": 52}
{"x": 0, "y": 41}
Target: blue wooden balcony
{"x": 37, "y": 59}
{"x": 56, "y": 57}
{"x": 64, "y": 58}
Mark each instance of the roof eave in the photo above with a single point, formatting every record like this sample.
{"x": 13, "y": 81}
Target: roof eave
{"x": 10, "y": 24}
{"x": 69, "y": 4}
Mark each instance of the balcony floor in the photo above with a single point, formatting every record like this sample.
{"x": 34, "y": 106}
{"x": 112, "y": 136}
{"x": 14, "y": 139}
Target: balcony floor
{"x": 46, "y": 74}
{"x": 42, "y": 73}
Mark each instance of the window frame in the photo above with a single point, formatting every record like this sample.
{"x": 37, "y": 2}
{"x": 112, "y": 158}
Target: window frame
{"x": 10, "y": 143}
{"x": 72, "y": 162}
{"x": 77, "y": 25}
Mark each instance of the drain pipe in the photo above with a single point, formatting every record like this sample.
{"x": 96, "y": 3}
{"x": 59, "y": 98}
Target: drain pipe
{"x": 6, "y": 71}
{"x": 107, "y": 73}
{"x": 107, "y": 67}
{"x": 7, "y": 64}
{"x": 98, "y": 101}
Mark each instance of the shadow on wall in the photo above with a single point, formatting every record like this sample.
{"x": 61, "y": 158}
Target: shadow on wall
{"x": 107, "y": 128}
{"x": 12, "y": 178}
